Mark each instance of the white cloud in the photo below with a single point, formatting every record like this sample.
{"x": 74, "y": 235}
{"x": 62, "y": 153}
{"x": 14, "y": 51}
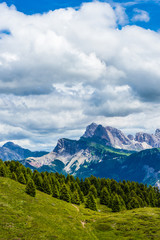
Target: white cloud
{"x": 61, "y": 70}
{"x": 140, "y": 15}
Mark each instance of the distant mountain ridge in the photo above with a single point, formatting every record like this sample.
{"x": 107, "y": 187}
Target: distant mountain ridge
{"x": 101, "y": 151}
{"x": 11, "y": 151}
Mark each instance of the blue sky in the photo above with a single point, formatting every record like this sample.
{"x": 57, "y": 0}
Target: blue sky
{"x": 62, "y": 69}
{"x": 41, "y": 6}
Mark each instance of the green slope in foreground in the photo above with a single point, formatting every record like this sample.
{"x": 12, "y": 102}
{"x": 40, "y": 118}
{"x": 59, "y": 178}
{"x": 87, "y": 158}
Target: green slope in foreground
{"x": 44, "y": 217}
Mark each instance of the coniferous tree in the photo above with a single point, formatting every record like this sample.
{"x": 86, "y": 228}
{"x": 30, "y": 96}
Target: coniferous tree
{"x": 46, "y": 186}
{"x": 78, "y": 180}
{"x": 86, "y": 186}
{"x": 30, "y": 188}
{"x": 14, "y": 176}
{"x": 75, "y": 198}
{"x": 133, "y": 203}
{"x": 67, "y": 179}
{"x": 3, "y": 171}
{"x": 81, "y": 195}
{"x": 123, "y": 205}
{"x": 93, "y": 190}
{"x": 38, "y": 182}
{"x": 116, "y": 204}
{"x": 29, "y": 172}
{"x": 152, "y": 198}
{"x": 72, "y": 187}
{"x": 55, "y": 192}
{"x": 91, "y": 202}
{"x": 21, "y": 178}
{"x": 105, "y": 197}
{"x": 64, "y": 193}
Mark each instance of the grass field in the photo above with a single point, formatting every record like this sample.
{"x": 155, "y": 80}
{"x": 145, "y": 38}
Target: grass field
{"x": 44, "y": 217}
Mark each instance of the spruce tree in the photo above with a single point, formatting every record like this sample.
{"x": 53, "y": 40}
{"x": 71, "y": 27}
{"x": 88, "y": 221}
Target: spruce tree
{"x": 105, "y": 197}
{"x": 64, "y": 193}
{"x": 14, "y": 176}
{"x": 75, "y": 198}
{"x": 38, "y": 182}
{"x": 3, "y": 170}
{"x": 55, "y": 192}
{"x": 21, "y": 178}
{"x": 46, "y": 186}
{"x": 86, "y": 186}
{"x": 93, "y": 190}
{"x": 30, "y": 188}
{"x": 91, "y": 202}
{"x": 116, "y": 204}
{"x": 72, "y": 187}
{"x": 133, "y": 203}
{"x": 81, "y": 195}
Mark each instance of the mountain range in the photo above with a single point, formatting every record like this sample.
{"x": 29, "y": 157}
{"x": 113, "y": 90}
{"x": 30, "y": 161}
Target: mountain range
{"x": 101, "y": 151}
{"x": 11, "y": 151}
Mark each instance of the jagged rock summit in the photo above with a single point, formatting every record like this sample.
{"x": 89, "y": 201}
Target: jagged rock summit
{"x": 70, "y": 155}
{"x": 115, "y": 138}
{"x": 104, "y": 152}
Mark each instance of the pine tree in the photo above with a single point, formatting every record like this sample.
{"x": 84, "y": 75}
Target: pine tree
{"x": 21, "y": 178}
{"x": 29, "y": 172}
{"x": 86, "y": 186}
{"x": 3, "y": 170}
{"x": 72, "y": 187}
{"x": 105, "y": 197}
{"x": 14, "y": 176}
{"x": 93, "y": 190}
{"x": 123, "y": 205}
{"x": 152, "y": 198}
{"x": 46, "y": 186}
{"x": 116, "y": 204}
{"x": 55, "y": 192}
{"x": 38, "y": 182}
{"x": 64, "y": 193}
{"x": 81, "y": 196}
{"x": 133, "y": 203}
{"x": 75, "y": 198}
{"x": 30, "y": 188}
{"x": 91, "y": 202}
{"x": 67, "y": 179}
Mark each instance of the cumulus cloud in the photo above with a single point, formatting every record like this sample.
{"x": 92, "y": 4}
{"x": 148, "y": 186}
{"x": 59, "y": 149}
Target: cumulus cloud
{"x": 63, "y": 69}
{"x": 140, "y": 15}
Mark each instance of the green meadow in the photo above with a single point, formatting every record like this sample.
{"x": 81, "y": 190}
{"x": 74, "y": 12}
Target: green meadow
{"x": 45, "y": 217}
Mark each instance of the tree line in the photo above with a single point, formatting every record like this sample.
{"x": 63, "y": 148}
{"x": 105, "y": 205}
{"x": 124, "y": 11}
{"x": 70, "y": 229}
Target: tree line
{"x": 115, "y": 195}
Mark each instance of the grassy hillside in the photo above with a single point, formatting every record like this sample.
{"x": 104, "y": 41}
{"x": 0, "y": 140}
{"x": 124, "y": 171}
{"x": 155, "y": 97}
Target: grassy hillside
{"x": 44, "y": 217}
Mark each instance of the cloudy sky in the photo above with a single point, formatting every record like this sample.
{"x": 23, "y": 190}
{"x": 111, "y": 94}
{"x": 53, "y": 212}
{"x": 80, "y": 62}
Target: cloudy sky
{"x": 65, "y": 64}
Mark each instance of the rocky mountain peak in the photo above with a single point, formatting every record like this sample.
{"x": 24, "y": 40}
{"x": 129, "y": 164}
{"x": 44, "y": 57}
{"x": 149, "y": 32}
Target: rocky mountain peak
{"x": 157, "y": 133}
{"x": 65, "y": 146}
{"x": 90, "y": 130}
{"x": 114, "y": 137}
{"x": 11, "y": 145}
{"x": 116, "y": 133}
{"x": 150, "y": 139}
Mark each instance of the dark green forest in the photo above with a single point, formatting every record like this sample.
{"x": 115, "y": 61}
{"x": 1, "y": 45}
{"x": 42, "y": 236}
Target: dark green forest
{"x": 115, "y": 195}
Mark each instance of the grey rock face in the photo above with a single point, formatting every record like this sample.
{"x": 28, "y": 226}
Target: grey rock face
{"x": 90, "y": 130}
{"x": 115, "y": 138}
{"x": 157, "y": 133}
{"x": 131, "y": 137}
{"x": 119, "y": 135}
{"x": 150, "y": 139}
{"x": 65, "y": 146}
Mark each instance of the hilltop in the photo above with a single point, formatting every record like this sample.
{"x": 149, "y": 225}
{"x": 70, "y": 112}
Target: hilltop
{"x": 45, "y": 217}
